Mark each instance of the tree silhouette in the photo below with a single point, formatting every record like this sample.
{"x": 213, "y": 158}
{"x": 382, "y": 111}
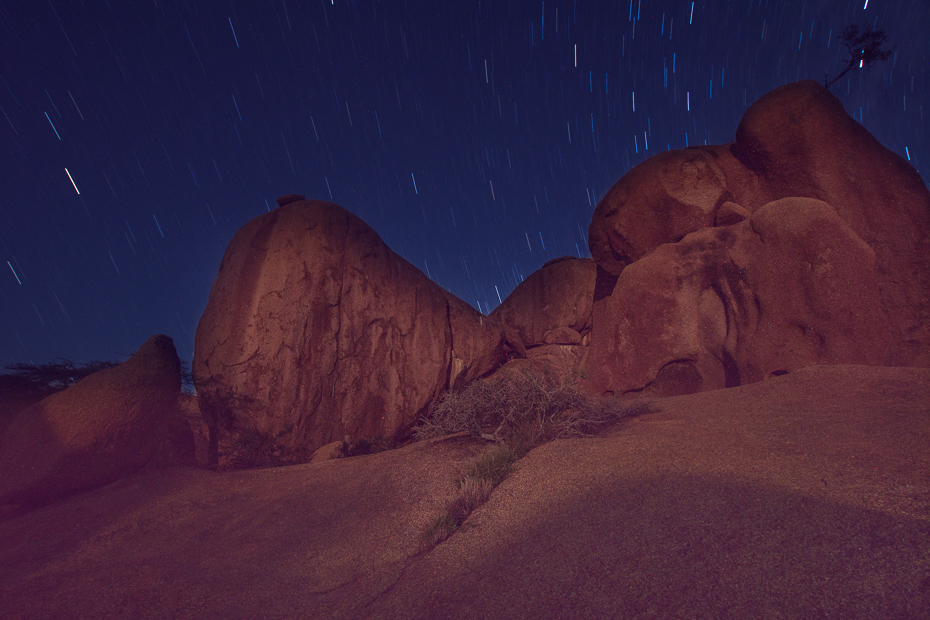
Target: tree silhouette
{"x": 864, "y": 48}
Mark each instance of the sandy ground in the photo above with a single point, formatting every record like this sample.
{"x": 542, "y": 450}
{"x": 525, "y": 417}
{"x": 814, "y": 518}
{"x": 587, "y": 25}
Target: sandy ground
{"x": 806, "y": 496}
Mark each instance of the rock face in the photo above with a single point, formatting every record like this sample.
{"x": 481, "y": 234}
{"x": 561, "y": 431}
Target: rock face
{"x": 552, "y": 305}
{"x": 315, "y": 330}
{"x": 107, "y": 425}
{"x": 792, "y": 286}
{"x": 713, "y": 203}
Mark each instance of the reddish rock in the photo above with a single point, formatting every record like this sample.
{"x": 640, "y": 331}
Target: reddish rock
{"x": 316, "y": 330}
{"x": 793, "y": 286}
{"x": 730, "y": 213}
{"x": 563, "y": 335}
{"x": 288, "y": 199}
{"x": 107, "y": 425}
{"x": 563, "y": 362}
{"x": 552, "y": 305}
{"x": 197, "y": 432}
{"x": 659, "y": 201}
{"x": 797, "y": 141}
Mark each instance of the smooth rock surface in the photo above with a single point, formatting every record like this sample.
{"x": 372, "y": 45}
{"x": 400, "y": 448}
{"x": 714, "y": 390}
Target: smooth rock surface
{"x": 796, "y": 141}
{"x": 329, "y": 452}
{"x": 790, "y": 287}
{"x": 107, "y": 425}
{"x": 804, "y": 496}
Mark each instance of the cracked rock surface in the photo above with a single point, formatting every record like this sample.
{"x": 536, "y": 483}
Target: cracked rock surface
{"x": 316, "y": 331}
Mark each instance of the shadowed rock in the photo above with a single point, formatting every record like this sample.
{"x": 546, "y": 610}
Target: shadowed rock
{"x": 315, "y": 330}
{"x": 105, "y": 426}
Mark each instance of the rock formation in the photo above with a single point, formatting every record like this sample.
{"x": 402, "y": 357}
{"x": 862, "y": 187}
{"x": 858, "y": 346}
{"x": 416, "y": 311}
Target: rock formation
{"x": 792, "y": 286}
{"x": 107, "y": 425}
{"x": 752, "y": 285}
{"x": 552, "y": 305}
{"x": 315, "y": 330}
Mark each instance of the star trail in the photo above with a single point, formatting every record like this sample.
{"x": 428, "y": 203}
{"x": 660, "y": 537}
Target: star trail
{"x": 474, "y": 136}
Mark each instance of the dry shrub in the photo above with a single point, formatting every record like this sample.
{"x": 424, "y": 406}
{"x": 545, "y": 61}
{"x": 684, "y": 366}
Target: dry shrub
{"x": 519, "y": 410}
{"x": 521, "y": 406}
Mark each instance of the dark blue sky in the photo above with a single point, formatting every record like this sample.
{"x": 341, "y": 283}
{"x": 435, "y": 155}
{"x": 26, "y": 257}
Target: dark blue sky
{"x": 475, "y": 137}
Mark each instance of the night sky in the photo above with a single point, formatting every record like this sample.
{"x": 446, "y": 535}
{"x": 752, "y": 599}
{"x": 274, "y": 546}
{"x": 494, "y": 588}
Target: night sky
{"x": 474, "y": 137}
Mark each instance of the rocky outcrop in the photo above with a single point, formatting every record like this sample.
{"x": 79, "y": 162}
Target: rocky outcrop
{"x": 558, "y": 363}
{"x": 179, "y": 447}
{"x": 315, "y": 330}
{"x": 797, "y": 141}
{"x": 659, "y": 201}
{"x": 107, "y": 425}
{"x": 792, "y": 286}
{"x": 552, "y": 305}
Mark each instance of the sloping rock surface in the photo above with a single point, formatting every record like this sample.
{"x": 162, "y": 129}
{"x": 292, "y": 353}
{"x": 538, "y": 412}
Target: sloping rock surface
{"x": 803, "y": 496}
{"x": 315, "y": 330}
{"x": 100, "y": 429}
{"x": 796, "y": 141}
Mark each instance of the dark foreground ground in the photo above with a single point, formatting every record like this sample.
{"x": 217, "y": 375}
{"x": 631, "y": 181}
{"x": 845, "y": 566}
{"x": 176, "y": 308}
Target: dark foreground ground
{"x": 806, "y": 496}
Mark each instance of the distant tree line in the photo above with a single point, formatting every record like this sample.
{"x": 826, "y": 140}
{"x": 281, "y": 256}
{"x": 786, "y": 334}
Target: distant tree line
{"x": 41, "y": 380}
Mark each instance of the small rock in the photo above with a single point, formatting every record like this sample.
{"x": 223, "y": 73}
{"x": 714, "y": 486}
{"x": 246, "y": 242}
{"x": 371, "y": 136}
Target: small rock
{"x": 288, "y": 198}
{"x": 330, "y": 451}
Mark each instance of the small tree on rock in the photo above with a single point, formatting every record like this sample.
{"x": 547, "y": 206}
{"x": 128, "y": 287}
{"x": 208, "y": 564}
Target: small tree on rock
{"x": 864, "y": 47}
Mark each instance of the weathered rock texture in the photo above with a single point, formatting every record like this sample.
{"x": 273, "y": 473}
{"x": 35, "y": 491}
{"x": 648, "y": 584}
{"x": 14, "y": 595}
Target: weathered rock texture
{"x": 557, "y": 363}
{"x": 797, "y": 141}
{"x": 107, "y": 425}
{"x": 315, "y": 330}
{"x": 552, "y": 305}
{"x": 792, "y": 286}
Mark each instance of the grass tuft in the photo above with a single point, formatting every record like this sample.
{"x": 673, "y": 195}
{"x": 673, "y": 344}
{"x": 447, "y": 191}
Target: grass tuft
{"x": 492, "y": 466}
{"x": 517, "y": 410}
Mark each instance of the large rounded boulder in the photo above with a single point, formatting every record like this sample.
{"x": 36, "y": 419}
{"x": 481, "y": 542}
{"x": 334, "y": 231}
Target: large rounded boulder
{"x": 107, "y": 425}
{"x": 315, "y": 332}
{"x": 796, "y": 141}
{"x": 799, "y": 141}
{"x": 659, "y": 201}
{"x": 793, "y": 286}
{"x": 553, "y": 304}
